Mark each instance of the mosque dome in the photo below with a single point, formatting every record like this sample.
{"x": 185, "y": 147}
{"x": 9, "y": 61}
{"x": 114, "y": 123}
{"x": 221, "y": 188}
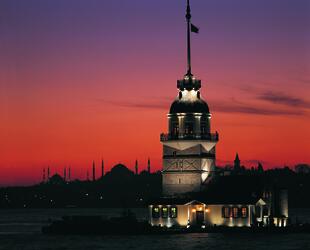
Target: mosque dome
{"x": 121, "y": 170}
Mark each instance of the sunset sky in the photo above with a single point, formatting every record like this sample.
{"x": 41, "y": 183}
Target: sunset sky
{"x": 82, "y": 80}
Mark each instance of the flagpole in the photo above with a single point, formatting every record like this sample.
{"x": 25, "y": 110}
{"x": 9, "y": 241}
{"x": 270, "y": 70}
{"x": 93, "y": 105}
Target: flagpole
{"x": 188, "y": 18}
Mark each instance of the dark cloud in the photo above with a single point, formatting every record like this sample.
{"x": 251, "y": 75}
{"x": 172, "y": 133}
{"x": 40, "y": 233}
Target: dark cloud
{"x": 251, "y": 109}
{"x": 283, "y": 99}
{"x": 160, "y": 104}
{"x": 216, "y": 106}
{"x": 144, "y": 105}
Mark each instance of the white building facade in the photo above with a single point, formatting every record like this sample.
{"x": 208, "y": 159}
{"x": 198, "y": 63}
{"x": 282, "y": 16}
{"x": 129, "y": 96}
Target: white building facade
{"x": 202, "y": 214}
{"x": 197, "y": 213}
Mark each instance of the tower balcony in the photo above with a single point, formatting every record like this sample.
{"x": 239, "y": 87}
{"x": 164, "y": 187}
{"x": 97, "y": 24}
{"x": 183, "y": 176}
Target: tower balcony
{"x": 189, "y": 83}
{"x": 213, "y": 137}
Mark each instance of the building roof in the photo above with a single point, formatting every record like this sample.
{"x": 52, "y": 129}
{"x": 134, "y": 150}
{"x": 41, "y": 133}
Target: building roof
{"x": 203, "y": 199}
{"x": 231, "y": 200}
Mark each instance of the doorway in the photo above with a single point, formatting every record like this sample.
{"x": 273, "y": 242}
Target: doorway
{"x": 199, "y": 218}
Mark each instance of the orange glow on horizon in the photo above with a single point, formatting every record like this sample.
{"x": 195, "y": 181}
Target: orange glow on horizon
{"x": 71, "y": 94}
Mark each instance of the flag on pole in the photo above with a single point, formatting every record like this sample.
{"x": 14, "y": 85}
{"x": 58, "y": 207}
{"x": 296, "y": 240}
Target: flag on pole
{"x": 194, "y": 29}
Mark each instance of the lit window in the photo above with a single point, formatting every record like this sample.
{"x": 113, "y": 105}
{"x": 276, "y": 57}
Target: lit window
{"x": 230, "y": 212}
{"x": 175, "y": 128}
{"x": 235, "y": 212}
{"x": 226, "y": 212}
{"x": 203, "y": 127}
{"x": 173, "y": 212}
{"x": 244, "y": 212}
{"x": 164, "y": 212}
{"x": 155, "y": 212}
{"x": 189, "y": 128}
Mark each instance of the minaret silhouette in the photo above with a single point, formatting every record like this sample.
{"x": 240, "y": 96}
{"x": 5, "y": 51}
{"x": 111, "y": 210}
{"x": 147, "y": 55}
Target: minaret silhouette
{"x": 65, "y": 174}
{"x": 94, "y": 171}
{"x": 136, "y": 167}
{"x": 43, "y": 175}
{"x": 102, "y": 168}
{"x": 237, "y": 163}
{"x": 260, "y": 167}
{"x": 149, "y": 165}
{"x": 69, "y": 174}
{"x": 48, "y": 173}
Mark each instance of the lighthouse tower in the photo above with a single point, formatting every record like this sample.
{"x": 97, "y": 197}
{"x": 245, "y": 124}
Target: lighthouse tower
{"x": 189, "y": 145}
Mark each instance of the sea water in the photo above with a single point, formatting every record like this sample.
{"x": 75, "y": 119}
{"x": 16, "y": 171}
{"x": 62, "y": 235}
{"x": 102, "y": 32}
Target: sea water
{"x": 21, "y": 230}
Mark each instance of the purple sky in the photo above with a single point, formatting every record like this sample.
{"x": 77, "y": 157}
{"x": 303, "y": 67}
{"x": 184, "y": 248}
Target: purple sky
{"x": 74, "y": 74}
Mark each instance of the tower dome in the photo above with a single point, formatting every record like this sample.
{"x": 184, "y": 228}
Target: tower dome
{"x": 195, "y": 106}
{"x": 189, "y": 99}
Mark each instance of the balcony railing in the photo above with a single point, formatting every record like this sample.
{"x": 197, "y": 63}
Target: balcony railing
{"x": 213, "y": 137}
{"x": 183, "y": 156}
